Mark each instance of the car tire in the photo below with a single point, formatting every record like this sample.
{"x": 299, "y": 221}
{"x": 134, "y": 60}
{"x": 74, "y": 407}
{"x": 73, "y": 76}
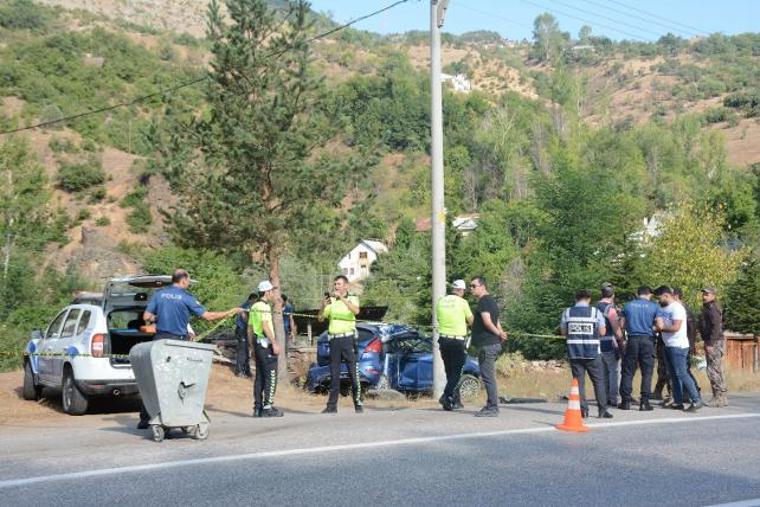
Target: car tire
{"x": 31, "y": 390}
{"x": 74, "y": 402}
{"x": 469, "y": 387}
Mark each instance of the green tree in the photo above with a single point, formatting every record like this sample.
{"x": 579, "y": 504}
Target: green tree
{"x": 547, "y": 38}
{"x": 742, "y": 301}
{"x": 24, "y": 194}
{"x": 691, "y": 252}
{"x": 248, "y": 173}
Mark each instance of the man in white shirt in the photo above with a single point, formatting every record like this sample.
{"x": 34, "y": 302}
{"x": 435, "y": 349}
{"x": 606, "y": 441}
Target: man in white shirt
{"x": 671, "y": 321}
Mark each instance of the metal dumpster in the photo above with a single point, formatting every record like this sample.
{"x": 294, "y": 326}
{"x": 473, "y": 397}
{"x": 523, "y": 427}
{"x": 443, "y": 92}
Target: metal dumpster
{"x": 172, "y": 376}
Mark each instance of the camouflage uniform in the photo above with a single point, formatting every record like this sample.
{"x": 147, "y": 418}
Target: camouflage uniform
{"x": 711, "y": 328}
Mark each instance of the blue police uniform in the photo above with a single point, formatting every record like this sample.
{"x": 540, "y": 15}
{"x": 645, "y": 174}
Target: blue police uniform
{"x": 639, "y": 317}
{"x": 172, "y": 307}
{"x": 243, "y": 359}
{"x": 610, "y": 354}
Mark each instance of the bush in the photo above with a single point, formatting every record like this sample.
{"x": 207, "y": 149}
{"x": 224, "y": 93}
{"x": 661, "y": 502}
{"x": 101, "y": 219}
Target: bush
{"x": 83, "y": 215}
{"x": 63, "y": 145}
{"x": 97, "y": 195}
{"x": 23, "y": 15}
{"x": 78, "y": 177}
{"x": 134, "y": 198}
{"x": 140, "y": 219}
{"x": 103, "y": 221}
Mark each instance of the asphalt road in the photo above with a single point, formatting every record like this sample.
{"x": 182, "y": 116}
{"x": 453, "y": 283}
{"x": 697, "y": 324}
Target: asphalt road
{"x": 394, "y": 457}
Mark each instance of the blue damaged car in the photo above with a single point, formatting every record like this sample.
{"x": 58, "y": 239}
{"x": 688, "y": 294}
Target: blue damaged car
{"x": 391, "y": 356}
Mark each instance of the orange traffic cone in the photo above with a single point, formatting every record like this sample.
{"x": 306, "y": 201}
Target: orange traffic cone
{"x": 573, "y": 417}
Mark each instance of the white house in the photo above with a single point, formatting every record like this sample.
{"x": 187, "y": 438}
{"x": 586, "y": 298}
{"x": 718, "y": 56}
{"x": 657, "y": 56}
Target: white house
{"x": 460, "y": 83}
{"x": 355, "y": 264}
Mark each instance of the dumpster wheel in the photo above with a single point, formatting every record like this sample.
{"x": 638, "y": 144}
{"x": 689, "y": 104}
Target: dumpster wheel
{"x": 158, "y": 432}
{"x": 200, "y": 431}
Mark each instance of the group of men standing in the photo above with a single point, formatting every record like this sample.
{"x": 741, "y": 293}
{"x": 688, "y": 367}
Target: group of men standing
{"x": 597, "y": 337}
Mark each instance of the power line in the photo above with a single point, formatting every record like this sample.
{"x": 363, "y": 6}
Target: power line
{"x": 194, "y": 81}
{"x": 492, "y": 15}
{"x": 641, "y": 18}
{"x": 657, "y": 16}
{"x": 584, "y": 11}
{"x": 629, "y": 34}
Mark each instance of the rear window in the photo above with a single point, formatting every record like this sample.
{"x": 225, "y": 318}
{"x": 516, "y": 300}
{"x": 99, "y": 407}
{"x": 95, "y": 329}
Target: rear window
{"x": 410, "y": 342}
{"x": 71, "y": 323}
{"x": 84, "y": 321}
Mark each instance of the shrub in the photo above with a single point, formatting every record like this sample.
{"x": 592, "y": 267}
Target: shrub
{"x": 139, "y": 219}
{"x": 97, "y": 195}
{"x": 78, "y": 177}
{"x": 63, "y": 145}
{"x": 103, "y": 221}
{"x": 23, "y": 14}
{"x": 83, "y": 215}
{"x": 134, "y": 198}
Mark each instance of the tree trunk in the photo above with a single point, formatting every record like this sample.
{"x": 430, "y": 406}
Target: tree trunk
{"x": 278, "y": 321}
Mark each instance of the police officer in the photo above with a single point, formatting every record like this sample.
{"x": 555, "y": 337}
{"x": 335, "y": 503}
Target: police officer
{"x": 582, "y": 325}
{"x": 341, "y": 310}
{"x": 610, "y": 343}
{"x": 265, "y": 352}
{"x": 453, "y": 314}
{"x": 170, "y": 310}
{"x": 243, "y": 359}
{"x": 638, "y": 321}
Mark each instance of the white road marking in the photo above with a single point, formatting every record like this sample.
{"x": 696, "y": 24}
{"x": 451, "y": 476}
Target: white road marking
{"x": 752, "y": 502}
{"x": 86, "y": 474}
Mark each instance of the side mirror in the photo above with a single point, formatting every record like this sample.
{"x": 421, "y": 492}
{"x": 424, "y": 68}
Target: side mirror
{"x": 36, "y": 334}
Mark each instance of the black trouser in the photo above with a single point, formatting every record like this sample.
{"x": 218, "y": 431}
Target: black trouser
{"x": 265, "y": 384}
{"x": 595, "y": 369}
{"x": 144, "y": 415}
{"x": 663, "y": 375}
{"x": 453, "y": 354}
{"x": 487, "y": 359}
{"x": 639, "y": 353}
{"x": 342, "y": 350}
{"x": 243, "y": 359}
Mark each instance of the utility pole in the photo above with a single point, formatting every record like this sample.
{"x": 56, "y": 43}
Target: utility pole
{"x": 438, "y": 223}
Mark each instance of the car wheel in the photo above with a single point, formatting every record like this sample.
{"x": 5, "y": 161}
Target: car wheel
{"x": 31, "y": 390}
{"x": 74, "y": 402}
{"x": 469, "y": 387}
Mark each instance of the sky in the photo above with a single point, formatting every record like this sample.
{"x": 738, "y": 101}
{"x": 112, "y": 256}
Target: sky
{"x": 513, "y": 19}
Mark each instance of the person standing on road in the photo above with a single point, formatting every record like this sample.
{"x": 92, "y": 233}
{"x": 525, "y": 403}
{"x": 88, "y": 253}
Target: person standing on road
{"x": 170, "y": 309}
{"x": 341, "y": 310}
{"x": 265, "y": 352}
{"x": 691, "y": 334}
{"x": 488, "y": 337}
{"x": 453, "y": 314}
{"x": 671, "y": 321}
{"x": 287, "y": 319}
{"x": 582, "y": 326}
{"x": 711, "y": 329}
{"x": 610, "y": 343}
{"x": 638, "y": 319}
{"x": 243, "y": 359}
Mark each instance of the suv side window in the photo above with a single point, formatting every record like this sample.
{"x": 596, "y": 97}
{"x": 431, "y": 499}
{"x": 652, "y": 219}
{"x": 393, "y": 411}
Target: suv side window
{"x": 55, "y": 327}
{"x": 71, "y": 323}
{"x": 83, "y": 322}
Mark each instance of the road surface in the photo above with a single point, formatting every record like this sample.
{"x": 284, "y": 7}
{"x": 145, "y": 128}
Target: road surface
{"x": 393, "y": 457}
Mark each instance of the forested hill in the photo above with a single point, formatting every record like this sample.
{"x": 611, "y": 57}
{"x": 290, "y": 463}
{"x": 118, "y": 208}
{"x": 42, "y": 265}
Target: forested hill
{"x": 566, "y": 146}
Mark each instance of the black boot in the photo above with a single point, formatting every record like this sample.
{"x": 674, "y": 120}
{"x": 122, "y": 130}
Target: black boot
{"x": 624, "y": 405}
{"x": 645, "y": 406}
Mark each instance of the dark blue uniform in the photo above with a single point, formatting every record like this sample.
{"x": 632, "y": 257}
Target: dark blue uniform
{"x": 639, "y": 317}
{"x": 172, "y": 307}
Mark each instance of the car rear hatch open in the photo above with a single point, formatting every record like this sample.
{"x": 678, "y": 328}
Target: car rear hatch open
{"x": 124, "y": 301}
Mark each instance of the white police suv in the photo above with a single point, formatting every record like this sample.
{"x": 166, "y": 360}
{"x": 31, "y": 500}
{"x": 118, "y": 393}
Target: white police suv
{"x": 83, "y": 353}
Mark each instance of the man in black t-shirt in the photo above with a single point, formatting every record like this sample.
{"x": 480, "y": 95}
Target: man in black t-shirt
{"x": 487, "y": 337}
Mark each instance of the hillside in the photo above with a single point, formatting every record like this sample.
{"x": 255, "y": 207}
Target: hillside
{"x": 617, "y": 89}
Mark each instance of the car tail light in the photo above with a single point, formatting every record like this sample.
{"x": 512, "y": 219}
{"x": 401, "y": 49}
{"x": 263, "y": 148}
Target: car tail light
{"x": 97, "y": 345}
{"x": 376, "y": 346}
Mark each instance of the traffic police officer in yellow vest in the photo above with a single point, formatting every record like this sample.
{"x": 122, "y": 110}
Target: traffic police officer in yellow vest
{"x": 265, "y": 350}
{"x": 341, "y": 310}
{"x": 453, "y": 314}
